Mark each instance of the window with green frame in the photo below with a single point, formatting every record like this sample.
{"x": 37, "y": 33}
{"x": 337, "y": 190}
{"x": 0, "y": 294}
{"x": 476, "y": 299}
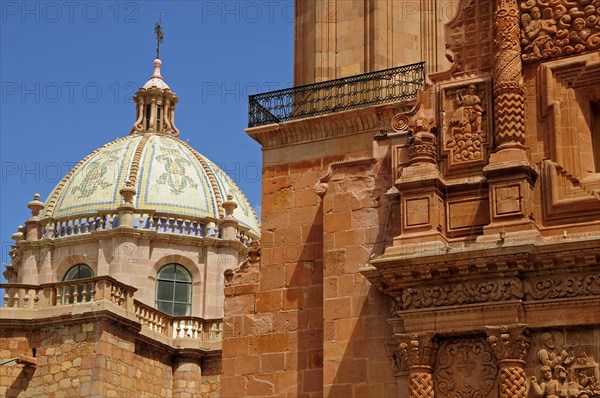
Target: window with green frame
{"x": 174, "y": 290}
{"x": 84, "y": 292}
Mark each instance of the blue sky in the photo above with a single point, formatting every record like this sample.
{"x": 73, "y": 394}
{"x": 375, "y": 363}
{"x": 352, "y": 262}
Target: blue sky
{"x": 68, "y": 70}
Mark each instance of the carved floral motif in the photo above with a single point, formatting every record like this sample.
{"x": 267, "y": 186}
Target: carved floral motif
{"x": 562, "y": 286}
{"x": 465, "y": 368}
{"x": 553, "y": 28}
{"x": 461, "y": 293}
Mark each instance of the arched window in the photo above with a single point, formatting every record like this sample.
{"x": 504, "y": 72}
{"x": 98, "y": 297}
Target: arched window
{"x": 174, "y": 290}
{"x": 81, "y": 292}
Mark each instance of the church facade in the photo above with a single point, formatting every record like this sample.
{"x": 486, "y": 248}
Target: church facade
{"x": 430, "y": 225}
{"x": 430, "y": 230}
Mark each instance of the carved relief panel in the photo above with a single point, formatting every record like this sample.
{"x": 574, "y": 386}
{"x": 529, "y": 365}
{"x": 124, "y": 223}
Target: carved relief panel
{"x": 465, "y": 368}
{"x": 564, "y": 363}
{"x": 554, "y": 28}
{"x": 466, "y": 125}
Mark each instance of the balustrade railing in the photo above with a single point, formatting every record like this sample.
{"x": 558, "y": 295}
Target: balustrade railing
{"x": 178, "y": 327}
{"x": 165, "y": 223}
{"x": 331, "y": 96}
{"x": 105, "y": 288}
{"x": 68, "y": 293}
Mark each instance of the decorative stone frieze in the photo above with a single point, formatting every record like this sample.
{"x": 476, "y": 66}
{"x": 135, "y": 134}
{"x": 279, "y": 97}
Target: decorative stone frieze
{"x": 461, "y": 293}
{"x": 562, "y": 286}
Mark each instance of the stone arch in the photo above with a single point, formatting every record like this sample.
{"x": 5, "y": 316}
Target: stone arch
{"x": 64, "y": 264}
{"x": 188, "y": 263}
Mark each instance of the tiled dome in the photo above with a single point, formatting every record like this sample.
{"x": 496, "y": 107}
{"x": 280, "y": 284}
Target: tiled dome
{"x": 169, "y": 177}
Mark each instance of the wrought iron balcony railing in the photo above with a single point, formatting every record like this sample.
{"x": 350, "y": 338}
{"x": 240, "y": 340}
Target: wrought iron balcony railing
{"x": 331, "y": 96}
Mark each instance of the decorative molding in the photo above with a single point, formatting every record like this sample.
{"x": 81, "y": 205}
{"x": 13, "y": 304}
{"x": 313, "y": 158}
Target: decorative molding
{"x": 450, "y": 294}
{"x": 376, "y": 117}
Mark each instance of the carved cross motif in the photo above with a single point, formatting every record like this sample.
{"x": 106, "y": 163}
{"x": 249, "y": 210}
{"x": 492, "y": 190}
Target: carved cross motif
{"x": 466, "y": 365}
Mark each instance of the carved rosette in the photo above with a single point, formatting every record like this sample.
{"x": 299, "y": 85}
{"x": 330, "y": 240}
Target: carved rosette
{"x": 418, "y": 351}
{"x": 509, "y": 109}
{"x": 510, "y": 345}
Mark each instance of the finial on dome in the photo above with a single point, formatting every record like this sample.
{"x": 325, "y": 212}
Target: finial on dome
{"x": 159, "y": 35}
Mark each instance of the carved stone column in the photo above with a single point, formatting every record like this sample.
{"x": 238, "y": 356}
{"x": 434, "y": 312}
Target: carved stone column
{"x": 419, "y": 351}
{"x": 509, "y": 90}
{"x": 510, "y": 345}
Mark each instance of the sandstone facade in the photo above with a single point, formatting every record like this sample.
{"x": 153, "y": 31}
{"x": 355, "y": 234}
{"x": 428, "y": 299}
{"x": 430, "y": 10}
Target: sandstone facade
{"x": 429, "y": 246}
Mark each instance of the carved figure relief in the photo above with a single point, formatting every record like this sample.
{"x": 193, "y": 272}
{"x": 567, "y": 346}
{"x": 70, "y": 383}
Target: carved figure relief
{"x": 552, "y": 28}
{"x": 569, "y": 370}
{"x": 465, "y": 368}
{"x": 465, "y": 123}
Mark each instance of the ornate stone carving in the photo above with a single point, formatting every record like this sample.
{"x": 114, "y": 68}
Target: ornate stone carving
{"x": 552, "y": 287}
{"x": 465, "y": 123}
{"x": 553, "y": 28}
{"x": 509, "y": 109}
{"x": 569, "y": 370}
{"x": 422, "y": 140}
{"x": 418, "y": 351}
{"x": 461, "y": 293}
{"x": 465, "y": 368}
{"x": 510, "y": 345}
{"x": 399, "y": 367}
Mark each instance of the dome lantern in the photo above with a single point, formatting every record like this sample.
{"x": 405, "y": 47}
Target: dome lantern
{"x": 155, "y": 106}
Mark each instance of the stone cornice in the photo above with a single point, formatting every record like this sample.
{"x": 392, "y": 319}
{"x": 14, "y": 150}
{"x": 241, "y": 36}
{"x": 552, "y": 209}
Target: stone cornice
{"x": 133, "y": 233}
{"x": 473, "y": 260}
{"x": 376, "y": 117}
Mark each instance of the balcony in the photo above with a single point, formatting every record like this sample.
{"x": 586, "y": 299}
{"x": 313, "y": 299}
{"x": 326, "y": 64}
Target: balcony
{"x": 374, "y": 88}
{"x": 102, "y": 293}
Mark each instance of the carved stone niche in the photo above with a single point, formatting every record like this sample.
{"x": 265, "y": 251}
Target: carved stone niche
{"x": 465, "y": 368}
{"x": 466, "y": 125}
{"x": 570, "y": 182}
{"x": 555, "y": 28}
{"x": 564, "y": 363}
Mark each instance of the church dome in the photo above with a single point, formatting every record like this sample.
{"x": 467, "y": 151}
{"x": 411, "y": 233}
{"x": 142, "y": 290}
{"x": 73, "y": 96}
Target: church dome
{"x": 167, "y": 177}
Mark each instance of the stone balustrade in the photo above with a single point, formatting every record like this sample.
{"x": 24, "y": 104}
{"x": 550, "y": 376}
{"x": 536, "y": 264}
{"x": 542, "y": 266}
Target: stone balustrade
{"x": 186, "y": 327}
{"x": 143, "y": 220}
{"x": 67, "y": 293}
{"x": 105, "y": 288}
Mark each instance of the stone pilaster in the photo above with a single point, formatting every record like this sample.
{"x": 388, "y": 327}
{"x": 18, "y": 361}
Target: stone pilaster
{"x": 509, "y": 91}
{"x": 510, "y": 345}
{"x": 419, "y": 351}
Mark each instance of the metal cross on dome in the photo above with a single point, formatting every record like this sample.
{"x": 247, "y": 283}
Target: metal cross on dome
{"x": 159, "y": 34}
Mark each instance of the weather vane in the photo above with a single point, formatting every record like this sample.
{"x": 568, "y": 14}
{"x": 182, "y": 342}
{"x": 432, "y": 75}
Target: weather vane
{"x": 159, "y": 34}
